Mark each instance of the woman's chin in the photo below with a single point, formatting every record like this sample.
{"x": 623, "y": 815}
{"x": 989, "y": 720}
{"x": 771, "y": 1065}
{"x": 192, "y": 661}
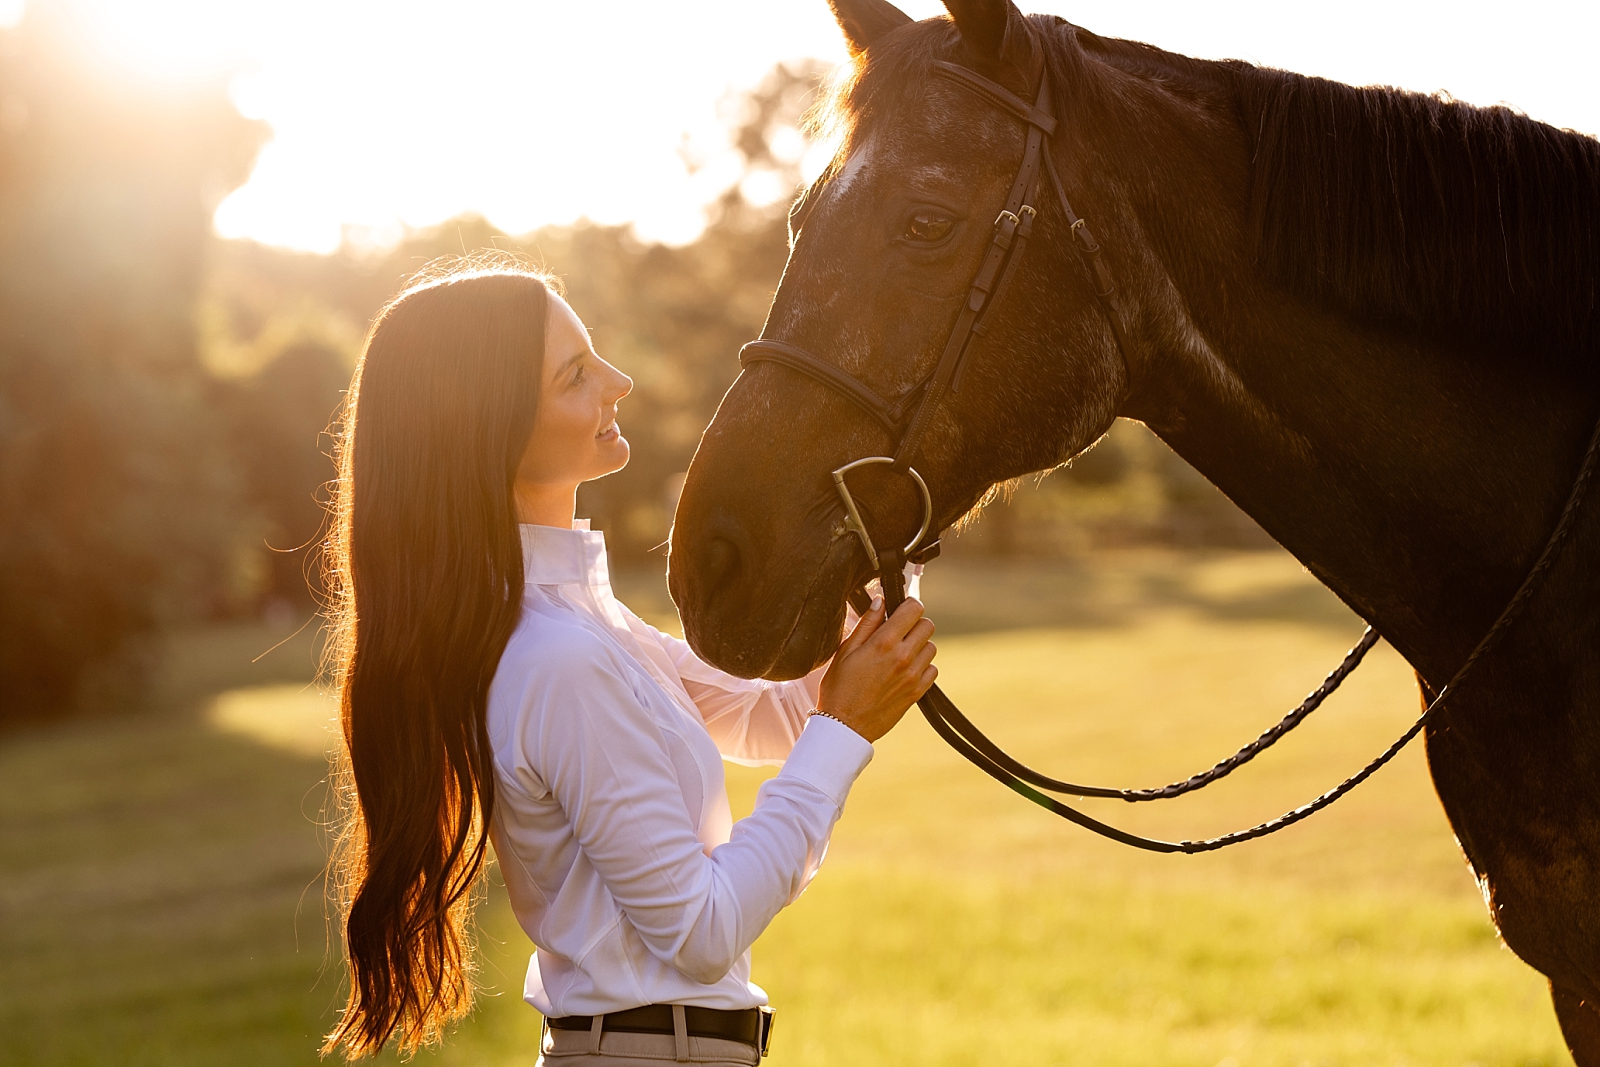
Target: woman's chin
{"x": 610, "y": 457}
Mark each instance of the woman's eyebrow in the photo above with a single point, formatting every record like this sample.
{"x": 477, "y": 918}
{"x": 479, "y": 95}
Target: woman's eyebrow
{"x": 563, "y": 368}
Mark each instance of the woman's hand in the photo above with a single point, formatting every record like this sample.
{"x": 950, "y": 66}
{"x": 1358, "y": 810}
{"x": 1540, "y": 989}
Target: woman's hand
{"x": 880, "y": 670}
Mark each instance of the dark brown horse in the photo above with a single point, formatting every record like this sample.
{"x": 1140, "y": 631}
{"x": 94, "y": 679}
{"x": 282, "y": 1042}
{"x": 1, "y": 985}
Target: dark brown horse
{"x": 1370, "y": 317}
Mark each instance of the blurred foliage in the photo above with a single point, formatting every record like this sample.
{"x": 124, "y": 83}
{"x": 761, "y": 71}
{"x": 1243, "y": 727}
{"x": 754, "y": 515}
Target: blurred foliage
{"x": 1129, "y": 489}
{"x": 283, "y": 463}
{"x": 166, "y": 397}
{"x": 671, "y": 317}
{"x": 115, "y": 501}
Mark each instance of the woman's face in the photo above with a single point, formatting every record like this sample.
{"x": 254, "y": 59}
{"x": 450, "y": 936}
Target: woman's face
{"x": 575, "y": 435}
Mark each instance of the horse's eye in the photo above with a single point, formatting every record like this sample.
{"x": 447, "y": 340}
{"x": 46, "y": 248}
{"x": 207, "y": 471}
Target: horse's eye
{"x": 927, "y": 227}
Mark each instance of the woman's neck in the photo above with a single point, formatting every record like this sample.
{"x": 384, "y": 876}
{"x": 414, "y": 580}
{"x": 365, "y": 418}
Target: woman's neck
{"x": 546, "y": 505}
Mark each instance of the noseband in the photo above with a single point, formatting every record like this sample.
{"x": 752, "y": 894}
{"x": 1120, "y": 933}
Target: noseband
{"x": 907, "y": 418}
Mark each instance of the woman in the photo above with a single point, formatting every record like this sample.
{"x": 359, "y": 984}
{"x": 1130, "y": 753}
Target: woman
{"x": 492, "y": 687}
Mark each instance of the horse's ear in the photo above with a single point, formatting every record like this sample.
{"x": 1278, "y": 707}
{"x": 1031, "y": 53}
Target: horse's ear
{"x": 998, "y": 40}
{"x": 864, "y": 21}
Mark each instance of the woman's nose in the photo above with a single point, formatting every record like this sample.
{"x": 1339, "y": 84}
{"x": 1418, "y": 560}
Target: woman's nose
{"x": 624, "y": 385}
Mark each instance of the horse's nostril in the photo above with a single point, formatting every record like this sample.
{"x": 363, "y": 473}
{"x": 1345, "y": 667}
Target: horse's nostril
{"x": 716, "y": 555}
{"x": 720, "y": 563}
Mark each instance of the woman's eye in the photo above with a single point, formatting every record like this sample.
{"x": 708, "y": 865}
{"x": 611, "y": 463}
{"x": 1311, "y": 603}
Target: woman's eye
{"x": 928, "y": 227}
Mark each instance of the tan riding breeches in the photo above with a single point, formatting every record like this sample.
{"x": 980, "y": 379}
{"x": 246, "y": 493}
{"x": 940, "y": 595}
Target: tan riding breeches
{"x": 577, "y": 1048}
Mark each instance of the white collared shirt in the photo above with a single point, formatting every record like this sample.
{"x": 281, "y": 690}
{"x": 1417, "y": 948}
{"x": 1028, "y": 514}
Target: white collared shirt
{"x": 611, "y": 825}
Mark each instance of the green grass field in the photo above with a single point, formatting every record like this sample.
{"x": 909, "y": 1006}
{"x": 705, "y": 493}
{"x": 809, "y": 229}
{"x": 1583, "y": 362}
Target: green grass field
{"x": 160, "y": 886}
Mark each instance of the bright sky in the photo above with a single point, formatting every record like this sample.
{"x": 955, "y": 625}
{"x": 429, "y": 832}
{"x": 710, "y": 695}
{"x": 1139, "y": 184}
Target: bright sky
{"x": 393, "y": 113}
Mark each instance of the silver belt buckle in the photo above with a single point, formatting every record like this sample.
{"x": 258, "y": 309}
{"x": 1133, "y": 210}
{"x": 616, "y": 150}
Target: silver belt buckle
{"x": 764, "y": 1038}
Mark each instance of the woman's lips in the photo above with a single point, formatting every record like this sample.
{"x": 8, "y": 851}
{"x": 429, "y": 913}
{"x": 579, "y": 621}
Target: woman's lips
{"x": 610, "y": 433}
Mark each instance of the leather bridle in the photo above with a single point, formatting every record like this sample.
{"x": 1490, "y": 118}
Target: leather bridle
{"x": 907, "y": 419}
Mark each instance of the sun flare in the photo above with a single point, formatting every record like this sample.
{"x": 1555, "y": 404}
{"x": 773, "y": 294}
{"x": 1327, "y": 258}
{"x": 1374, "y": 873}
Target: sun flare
{"x": 389, "y": 115}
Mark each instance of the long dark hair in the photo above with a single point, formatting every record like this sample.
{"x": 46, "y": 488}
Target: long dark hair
{"x": 425, "y": 577}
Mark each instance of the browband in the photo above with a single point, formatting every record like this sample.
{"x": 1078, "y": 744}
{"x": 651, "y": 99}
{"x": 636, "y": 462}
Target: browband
{"x": 998, "y": 94}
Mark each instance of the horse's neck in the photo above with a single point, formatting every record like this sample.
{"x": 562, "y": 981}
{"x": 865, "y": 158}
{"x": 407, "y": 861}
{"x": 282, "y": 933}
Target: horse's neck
{"x": 1418, "y": 484}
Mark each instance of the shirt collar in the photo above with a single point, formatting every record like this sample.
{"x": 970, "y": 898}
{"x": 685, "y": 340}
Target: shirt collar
{"x": 553, "y": 556}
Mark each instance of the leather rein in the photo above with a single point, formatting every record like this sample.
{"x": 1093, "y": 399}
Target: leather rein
{"x": 907, "y": 418}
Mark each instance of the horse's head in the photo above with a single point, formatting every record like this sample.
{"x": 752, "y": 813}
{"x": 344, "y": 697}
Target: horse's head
{"x": 887, "y": 246}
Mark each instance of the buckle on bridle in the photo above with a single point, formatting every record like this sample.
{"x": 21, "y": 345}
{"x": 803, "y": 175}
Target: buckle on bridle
{"x": 1084, "y": 238}
{"x": 1008, "y": 225}
{"x": 853, "y": 520}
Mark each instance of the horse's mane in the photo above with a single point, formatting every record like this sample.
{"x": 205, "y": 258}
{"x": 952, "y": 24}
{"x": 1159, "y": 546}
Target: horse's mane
{"x": 1417, "y": 211}
{"x": 1425, "y": 211}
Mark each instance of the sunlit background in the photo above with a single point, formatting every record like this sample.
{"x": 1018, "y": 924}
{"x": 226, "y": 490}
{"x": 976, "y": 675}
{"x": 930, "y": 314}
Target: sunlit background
{"x": 393, "y": 114}
{"x": 203, "y": 203}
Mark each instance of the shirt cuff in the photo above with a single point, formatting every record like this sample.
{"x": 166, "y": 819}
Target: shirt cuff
{"x": 828, "y": 755}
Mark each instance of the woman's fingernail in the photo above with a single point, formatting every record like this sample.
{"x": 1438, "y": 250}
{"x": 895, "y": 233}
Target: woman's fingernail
{"x": 877, "y": 602}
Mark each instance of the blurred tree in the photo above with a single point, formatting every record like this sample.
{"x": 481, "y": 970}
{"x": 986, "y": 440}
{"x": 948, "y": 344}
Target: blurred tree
{"x": 674, "y": 318}
{"x": 114, "y": 499}
{"x": 1129, "y": 489}
{"x": 671, "y": 317}
{"x": 275, "y": 421}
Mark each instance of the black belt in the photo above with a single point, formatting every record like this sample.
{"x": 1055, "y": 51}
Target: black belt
{"x": 752, "y": 1026}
